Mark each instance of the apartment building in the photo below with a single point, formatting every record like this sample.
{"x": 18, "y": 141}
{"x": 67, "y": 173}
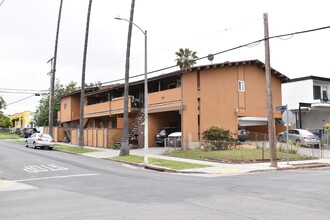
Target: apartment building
{"x": 228, "y": 95}
{"x": 308, "y": 98}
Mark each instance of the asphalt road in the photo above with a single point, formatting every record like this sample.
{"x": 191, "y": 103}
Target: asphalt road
{"x": 42, "y": 184}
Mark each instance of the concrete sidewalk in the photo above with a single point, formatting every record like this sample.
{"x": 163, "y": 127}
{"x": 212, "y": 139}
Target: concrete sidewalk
{"x": 215, "y": 168}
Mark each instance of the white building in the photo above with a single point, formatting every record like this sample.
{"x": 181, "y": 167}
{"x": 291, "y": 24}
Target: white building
{"x": 313, "y": 90}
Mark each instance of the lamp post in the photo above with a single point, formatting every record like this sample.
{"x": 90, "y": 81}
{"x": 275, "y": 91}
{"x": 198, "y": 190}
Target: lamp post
{"x": 146, "y": 129}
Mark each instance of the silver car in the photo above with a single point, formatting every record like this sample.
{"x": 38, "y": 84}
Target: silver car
{"x": 40, "y": 140}
{"x": 299, "y": 136}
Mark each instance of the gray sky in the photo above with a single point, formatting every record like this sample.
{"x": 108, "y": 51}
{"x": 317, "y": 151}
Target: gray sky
{"x": 28, "y": 27}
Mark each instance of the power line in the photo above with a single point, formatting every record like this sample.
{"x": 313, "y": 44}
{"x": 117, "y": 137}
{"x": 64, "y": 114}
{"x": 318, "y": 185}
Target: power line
{"x": 20, "y": 100}
{"x": 28, "y": 90}
{"x": 2, "y": 2}
{"x": 191, "y": 40}
{"x": 15, "y": 92}
{"x": 254, "y": 43}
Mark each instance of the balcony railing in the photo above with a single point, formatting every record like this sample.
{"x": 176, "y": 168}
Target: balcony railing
{"x": 116, "y": 106}
{"x": 170, "y": 98}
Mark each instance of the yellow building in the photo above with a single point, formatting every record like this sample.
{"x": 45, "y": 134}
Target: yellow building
{"x": 21, "y": 120}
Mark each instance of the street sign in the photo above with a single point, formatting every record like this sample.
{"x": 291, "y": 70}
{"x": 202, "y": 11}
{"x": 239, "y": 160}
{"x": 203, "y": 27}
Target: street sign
{"x": 288, "y": 117}
{"x": 281, "y": 108}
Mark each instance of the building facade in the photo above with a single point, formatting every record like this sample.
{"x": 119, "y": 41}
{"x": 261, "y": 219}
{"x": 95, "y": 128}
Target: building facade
{"x": 229, "y": 95}
{"x": 313, "y": 91}
{"x": 21, "y": 120}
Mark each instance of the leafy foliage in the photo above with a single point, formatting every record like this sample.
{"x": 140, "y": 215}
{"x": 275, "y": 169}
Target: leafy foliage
{"x": 4, "y": 121}
{"x": 215, "y": 133}
{"x": 327, "y": 128}
{"x": 2, "y": 103}
{"x": 42, "y": 112}
{"x": 185, "y": 58}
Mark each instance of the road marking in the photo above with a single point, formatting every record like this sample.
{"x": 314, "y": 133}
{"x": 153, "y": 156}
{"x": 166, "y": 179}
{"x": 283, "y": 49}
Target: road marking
{"x": 56, "y": 177}
{"x": 43, "y": 168}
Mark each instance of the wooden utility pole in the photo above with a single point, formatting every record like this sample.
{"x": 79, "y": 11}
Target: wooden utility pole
{"x": 271, "y": 133}
{"x": 82, "y": 94}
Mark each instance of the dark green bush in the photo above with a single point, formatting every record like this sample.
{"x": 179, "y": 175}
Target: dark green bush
{"x": 215, "y": 133}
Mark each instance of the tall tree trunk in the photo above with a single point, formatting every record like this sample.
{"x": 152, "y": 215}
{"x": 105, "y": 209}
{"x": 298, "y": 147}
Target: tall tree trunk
{"x": 124, "y": 149}
{"x": 82, "y": 94}
{"x": 52, "y": 76}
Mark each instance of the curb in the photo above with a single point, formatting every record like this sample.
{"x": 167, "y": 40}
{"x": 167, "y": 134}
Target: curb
{"x": 303, "y": 167}
{"x": 157, "y": 168}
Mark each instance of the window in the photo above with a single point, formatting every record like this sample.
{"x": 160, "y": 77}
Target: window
{"x": 317, "y": 92}
{"x": 241, "y": 86}
{"x": 65, "y": 106}
{"x": 198, "y": 81}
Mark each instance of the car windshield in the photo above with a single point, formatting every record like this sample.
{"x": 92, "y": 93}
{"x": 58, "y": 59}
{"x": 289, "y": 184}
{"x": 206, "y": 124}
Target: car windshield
{"x": 303, "y": 132}
{"x": 45, "y": 136}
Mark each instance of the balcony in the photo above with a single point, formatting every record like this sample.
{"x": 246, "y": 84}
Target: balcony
{"x": 114, "y": 107}
{"x": 165, "y": 100}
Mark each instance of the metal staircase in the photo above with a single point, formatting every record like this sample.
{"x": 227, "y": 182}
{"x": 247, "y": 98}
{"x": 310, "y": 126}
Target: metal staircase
{"x": 134, "y": 128}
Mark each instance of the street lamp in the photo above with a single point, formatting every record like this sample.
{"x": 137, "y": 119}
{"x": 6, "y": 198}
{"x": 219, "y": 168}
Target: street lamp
{"x": 145, "y": 91}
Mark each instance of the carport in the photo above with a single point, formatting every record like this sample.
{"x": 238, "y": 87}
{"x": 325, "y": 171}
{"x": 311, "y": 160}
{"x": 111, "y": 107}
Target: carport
{"x": 252, "y": 121}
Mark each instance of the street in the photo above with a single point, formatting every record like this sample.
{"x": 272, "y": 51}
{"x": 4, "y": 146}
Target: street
{"x": 42, "y": 184}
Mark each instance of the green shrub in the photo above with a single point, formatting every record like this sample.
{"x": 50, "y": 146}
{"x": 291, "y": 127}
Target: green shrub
{"x": 116, "y": 146}
{"x": 215, "y": 133}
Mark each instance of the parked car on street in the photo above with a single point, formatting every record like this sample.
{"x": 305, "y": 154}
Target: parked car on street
{"x": 163, "y": 133}
{"x": 40, "y": 140}
{"x": 243, "y": 135}
{"x": 299, "y": 136}
{"x": 174, "y": 139}
{"x": 27, "y": 132}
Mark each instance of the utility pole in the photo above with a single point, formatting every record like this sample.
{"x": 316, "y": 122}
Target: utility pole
{"x": 271, "y": 133}
{"x": 82, "y": 94}
{"x": 52, "y": 76}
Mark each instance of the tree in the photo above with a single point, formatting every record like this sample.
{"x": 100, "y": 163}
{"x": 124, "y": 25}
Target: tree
{"x": 41, "y": 117}
{"x": 82, "y": 93}
{"x": 185, "y": 58}
{"x": 124, "y": 149}
{"x": 2, "y": 103}
{"x": 52, "y": 77}
{"x": 4, "y": 121}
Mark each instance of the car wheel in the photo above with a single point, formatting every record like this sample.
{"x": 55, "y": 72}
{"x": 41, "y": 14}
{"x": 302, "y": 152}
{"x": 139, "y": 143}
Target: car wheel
{"x": 280, "y": 139}
{"x": 34, "y": 145}
{"x": 298, "y": 142}
{"x": 50, "y": 148}
{"x": 26, "y": 144}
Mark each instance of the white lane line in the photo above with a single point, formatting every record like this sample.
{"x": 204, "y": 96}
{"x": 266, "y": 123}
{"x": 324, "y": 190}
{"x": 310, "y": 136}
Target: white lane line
{"x": 56, "y": 177}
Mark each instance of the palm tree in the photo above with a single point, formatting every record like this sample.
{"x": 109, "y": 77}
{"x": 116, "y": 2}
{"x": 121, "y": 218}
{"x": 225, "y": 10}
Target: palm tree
{"x": 81, "y": 118}
{"x": 185, "y": 58}
{"x": 124, "y": 149}
{"x": 53, "y": 68}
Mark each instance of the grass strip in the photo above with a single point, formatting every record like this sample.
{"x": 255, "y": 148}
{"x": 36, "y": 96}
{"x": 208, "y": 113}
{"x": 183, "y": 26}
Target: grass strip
{"x": 174, "y": 165}
{"x": 232, "y": 155}
{"x": 73, "y": 149}
{"x": 8, "y": 136}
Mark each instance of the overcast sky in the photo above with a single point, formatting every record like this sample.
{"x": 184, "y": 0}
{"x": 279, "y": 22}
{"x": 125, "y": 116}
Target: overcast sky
{"x": 28, "y": 28}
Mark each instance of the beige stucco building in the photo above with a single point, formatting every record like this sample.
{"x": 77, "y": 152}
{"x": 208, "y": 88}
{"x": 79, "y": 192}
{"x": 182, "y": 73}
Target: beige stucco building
{"x": 228, "y": 95}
